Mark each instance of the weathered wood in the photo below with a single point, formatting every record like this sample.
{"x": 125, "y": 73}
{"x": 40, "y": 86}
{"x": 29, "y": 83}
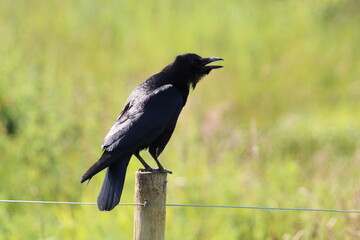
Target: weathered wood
{"x": 149, "y": 222}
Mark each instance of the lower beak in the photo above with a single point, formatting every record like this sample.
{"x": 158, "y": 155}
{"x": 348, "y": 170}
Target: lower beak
{"x": 207, "y": 68}
{"x": 206, "y": 61}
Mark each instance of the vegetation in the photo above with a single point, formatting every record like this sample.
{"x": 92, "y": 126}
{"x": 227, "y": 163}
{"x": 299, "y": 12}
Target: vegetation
{"x": 278, "y": 126}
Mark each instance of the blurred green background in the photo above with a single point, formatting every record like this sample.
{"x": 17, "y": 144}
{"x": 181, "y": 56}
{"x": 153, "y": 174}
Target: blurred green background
{"x": 278, "y": 126}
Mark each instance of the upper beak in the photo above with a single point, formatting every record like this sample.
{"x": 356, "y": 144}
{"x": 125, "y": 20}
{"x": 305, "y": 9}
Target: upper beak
{"x": 206, "y": 61}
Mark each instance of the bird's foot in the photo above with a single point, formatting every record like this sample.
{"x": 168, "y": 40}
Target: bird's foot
{"x": 160, "y": 170}
{"x": 146, "y": 169}
{"x": 163, "y": 170}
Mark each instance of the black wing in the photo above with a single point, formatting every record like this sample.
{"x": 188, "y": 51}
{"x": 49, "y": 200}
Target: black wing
{"x": 144, "y": 118}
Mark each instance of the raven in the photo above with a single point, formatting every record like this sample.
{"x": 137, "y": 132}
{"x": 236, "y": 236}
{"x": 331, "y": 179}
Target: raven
{"x": 147, "y": 122}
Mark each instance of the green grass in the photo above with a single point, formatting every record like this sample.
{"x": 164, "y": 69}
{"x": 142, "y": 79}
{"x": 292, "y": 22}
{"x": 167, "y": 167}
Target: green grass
{"x": 279, "y": 126}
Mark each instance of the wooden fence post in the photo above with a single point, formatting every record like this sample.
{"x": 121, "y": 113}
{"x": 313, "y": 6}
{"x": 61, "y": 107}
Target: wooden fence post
{"x": 149, "y": 220}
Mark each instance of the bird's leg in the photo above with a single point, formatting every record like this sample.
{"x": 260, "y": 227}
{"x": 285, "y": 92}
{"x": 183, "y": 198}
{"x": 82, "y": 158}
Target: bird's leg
{"x": 147, "y": 167}
{"x": 161, "y": 168}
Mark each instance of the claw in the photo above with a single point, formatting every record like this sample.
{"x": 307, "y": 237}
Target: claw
{"x": 146, "y": 169}
{"x": 164, "y": 170}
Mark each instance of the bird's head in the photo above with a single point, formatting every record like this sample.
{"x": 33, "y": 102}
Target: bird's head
{"x": 193, "y": 67}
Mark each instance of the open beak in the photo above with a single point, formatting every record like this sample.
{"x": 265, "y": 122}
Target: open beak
{"x": 208, "y": 68}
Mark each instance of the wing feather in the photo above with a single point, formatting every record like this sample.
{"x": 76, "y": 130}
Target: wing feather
{"x": 144, "y": 119}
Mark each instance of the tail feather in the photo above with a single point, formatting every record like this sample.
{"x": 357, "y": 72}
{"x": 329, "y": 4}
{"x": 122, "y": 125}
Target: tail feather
{"x": 113, "y": 184}
{"x": 106, "y": 159}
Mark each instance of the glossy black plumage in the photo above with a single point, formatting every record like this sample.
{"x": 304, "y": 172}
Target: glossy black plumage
{"x": 147, "y": 121}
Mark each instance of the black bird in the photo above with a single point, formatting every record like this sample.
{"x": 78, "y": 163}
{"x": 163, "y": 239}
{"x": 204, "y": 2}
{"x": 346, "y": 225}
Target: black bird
{"x": 147, "y": 121}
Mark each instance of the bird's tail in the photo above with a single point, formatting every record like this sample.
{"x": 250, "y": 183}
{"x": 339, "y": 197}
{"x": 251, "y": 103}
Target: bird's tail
{"x": 106, "y": 159}
{"x": 112, "y": 187}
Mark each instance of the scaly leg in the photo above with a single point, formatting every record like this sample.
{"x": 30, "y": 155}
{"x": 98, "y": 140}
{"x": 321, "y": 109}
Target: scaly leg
{"x": 147, "y": 167}
{"x": 161, "y": 168}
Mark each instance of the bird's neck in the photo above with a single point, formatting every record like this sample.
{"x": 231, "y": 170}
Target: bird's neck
{"x": 169, "y": 77}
